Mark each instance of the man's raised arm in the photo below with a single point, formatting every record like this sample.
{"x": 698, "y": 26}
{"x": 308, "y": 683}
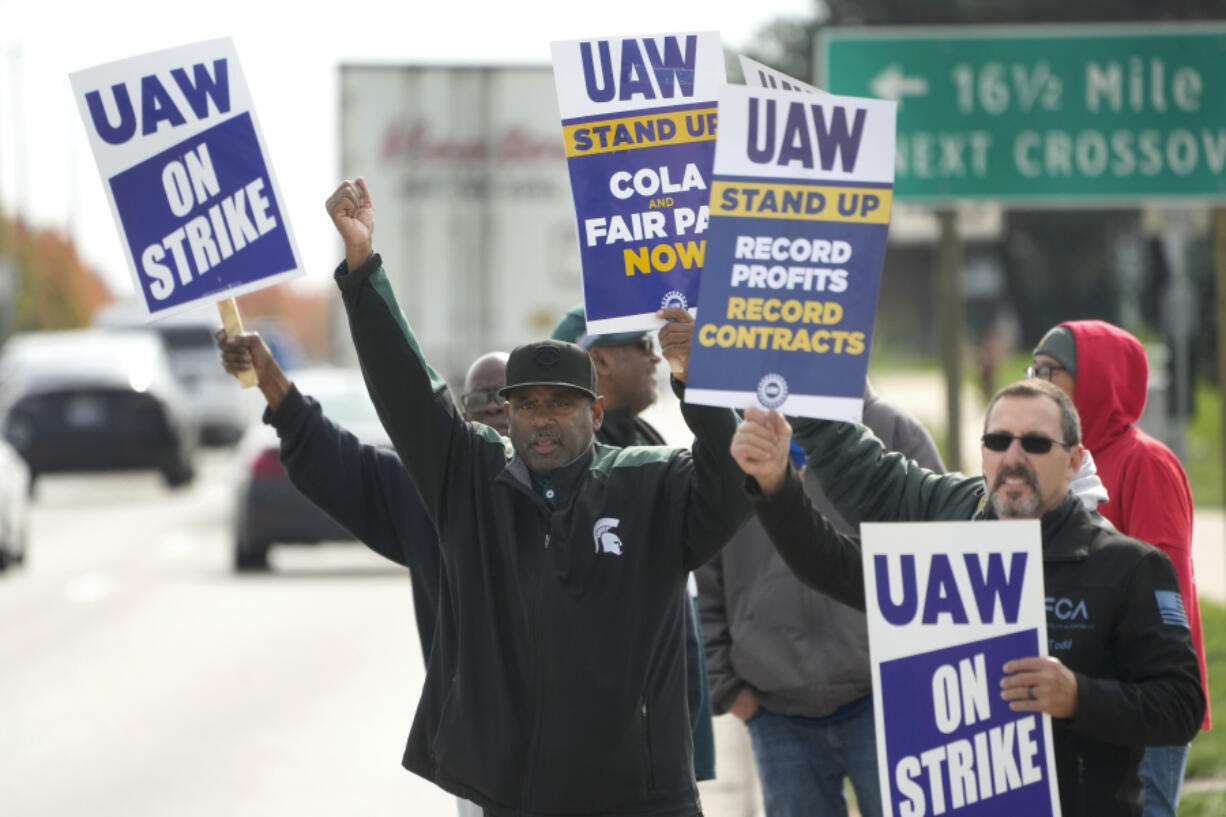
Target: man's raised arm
{"x": 717, "y": 505}
{"x": 820, "y": 555}
{"x": 867, "y": 483}
{"x": 362, "y": 487}
{"x": 411, "y": 398}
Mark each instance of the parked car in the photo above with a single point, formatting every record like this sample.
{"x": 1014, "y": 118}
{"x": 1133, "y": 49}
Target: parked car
{"x": 95, "y": 400}
{"x": 14, "y": 506}
{"x": 269, "y": 509}
{"x": 195, "y": 361}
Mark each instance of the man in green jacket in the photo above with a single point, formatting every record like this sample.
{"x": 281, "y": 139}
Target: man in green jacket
{"x": 556, "y": 680}
{"x": 625, "y": 364}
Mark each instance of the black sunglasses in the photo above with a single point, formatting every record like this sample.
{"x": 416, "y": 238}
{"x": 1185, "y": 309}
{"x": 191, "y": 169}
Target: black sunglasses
{"x": 480, "y": 398}
{"x": 1031, "y": 443}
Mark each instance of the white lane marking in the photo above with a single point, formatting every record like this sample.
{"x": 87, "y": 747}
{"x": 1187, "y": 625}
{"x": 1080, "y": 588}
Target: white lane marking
{"x": 89, "y": 587}
{"x": 177, "y": 544}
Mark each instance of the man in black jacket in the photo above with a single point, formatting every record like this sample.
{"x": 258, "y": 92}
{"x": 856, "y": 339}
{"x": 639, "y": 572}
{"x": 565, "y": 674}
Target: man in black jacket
{"x": 1121, "y": 677}
{"x": 556, "y": 684}
{"x": 625, "y": 364}
{"x": 363, "y": 487}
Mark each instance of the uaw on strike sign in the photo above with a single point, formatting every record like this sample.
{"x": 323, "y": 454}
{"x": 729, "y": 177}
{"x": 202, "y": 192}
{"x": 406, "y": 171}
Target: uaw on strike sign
{"x": 800, "y": 206}
{"x": 176, "y": 140}
{"x": 638, "y": 124}
{"x": 947, "y": 605}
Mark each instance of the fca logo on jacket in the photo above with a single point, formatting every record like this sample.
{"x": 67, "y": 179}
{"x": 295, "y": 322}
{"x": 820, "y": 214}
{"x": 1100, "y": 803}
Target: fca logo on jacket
{"x": 1067, "y": 609}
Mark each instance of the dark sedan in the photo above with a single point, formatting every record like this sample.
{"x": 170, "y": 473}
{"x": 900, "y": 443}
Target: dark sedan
{"x": 92, "y": 400}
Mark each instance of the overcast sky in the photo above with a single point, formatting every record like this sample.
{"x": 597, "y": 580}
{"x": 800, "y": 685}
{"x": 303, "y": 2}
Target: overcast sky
{"x": 290, "y": 53}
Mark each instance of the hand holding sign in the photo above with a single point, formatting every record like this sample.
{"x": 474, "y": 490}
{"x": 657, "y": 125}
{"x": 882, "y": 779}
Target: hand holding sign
{"x": 247, "y": 352}
{"x": 760, "y": 446}
{"x": 675, "y": 339}
{"x": 1039, "y": 684}
{"x": 353, "y": 212}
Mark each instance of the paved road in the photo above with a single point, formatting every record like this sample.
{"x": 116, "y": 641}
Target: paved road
{"x": 139, "y": 677}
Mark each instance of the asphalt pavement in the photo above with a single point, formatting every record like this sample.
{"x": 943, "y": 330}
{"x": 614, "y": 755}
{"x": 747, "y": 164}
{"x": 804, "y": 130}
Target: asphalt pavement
{"x": 139, "y": 677}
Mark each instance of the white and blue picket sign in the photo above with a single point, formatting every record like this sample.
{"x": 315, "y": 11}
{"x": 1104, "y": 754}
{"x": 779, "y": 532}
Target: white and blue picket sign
{"x": 186, "y": 171}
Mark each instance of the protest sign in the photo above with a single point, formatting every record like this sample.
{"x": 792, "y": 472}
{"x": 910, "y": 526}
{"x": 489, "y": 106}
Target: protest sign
{"x": 948, "y": 603}
{"x": 800, "y": 205}
{"x": 199, "y": 212}
{"x": 638, "y": 124}
{"x": 758, "y": 75}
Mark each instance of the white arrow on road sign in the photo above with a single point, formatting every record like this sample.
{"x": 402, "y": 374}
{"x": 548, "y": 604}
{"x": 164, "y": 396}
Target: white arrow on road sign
{"x": 893, "y": 84}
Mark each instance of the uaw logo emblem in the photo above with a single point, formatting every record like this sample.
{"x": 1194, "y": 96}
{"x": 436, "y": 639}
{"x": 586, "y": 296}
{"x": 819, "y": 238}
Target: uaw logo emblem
{"x": 772, "y": 390}
{"x": 606, "y": 540}
{"x": 673, "y": 298}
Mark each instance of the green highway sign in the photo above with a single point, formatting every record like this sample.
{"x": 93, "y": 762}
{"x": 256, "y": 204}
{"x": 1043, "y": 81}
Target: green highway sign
{"x": 1045, "y": 115}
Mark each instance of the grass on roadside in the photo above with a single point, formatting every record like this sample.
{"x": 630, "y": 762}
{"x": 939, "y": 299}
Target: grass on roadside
{"x": 1203, "y": 460}
{"x": 1203, "y": 804}
{"x": 1207, "y": 757}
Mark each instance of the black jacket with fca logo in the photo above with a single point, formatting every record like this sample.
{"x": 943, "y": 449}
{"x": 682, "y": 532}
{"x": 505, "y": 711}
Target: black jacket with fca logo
{"x": 556, "y": 680}
{"x": 1114, "y": 614}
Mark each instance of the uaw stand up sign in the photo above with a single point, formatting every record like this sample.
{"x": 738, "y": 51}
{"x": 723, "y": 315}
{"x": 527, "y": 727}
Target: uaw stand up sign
{"x": 638, "y": 123}
{"x": 199, "y": 212}
{"x": 948, "y": 603}
{"x": 800, "y": 206}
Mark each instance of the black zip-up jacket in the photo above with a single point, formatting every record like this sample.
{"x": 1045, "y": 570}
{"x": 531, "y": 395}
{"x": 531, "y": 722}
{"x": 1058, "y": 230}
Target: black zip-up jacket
{"x": 556, "y": 681}
{"x": 367, "y": 491}
{"x": 1138, "y": 682}
{"x": 623, "y": 429}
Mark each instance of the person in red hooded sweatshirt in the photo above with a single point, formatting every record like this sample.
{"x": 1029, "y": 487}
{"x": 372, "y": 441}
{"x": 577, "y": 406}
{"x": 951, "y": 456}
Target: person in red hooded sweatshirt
{"x": 1103, "y": 368}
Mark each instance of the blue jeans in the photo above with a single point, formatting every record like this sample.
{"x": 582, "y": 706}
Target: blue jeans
{"x": 802, "y": 762}
{"x": 1162, "y": 774}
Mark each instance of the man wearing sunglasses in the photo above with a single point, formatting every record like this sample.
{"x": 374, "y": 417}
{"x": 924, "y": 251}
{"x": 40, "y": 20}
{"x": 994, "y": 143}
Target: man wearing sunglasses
{"x": 1103, "y": 369}
{"x": 1121, "y": 673}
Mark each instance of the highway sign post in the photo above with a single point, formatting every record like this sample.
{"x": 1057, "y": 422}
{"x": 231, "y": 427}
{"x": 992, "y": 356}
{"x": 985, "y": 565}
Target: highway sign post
{"x": 1045, "y": 116}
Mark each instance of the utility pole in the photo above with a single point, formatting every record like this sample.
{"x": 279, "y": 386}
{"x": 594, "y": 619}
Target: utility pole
{"x": 950, "y": 314}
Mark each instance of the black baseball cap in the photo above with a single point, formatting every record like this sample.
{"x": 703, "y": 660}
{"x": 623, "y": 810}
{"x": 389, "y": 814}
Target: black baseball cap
{"x": 550, "y": 363}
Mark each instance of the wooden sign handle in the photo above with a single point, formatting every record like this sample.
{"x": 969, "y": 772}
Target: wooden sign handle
{"x": 233, "y": 324}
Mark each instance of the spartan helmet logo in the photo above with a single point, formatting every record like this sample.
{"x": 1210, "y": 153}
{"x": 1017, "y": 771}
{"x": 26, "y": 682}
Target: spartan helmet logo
{"x": 606, "y": 539}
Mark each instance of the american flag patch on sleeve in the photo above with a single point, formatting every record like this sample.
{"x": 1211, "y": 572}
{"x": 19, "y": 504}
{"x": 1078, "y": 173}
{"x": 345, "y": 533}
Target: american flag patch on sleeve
{"x": 1170, "y": 608}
